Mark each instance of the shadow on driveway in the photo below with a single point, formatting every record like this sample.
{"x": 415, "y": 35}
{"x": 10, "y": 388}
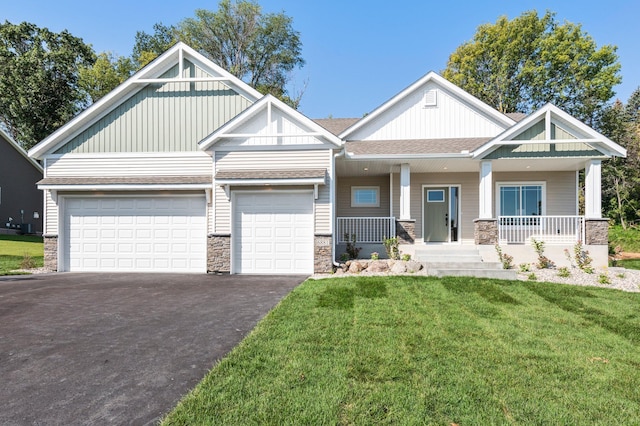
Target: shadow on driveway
{"x": 119, "y": 348}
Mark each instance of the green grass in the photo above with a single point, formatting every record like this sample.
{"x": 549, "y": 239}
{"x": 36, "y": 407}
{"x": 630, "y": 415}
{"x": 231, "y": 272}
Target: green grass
{"x": 422, "y": 350}
{"x": 13, "y": 249}
{"x": 628, "y": 239}
{"x": 629, "y": 263}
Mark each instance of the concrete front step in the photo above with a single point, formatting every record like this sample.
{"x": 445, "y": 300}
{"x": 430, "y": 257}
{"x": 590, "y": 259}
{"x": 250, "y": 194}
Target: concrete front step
{"x": 439, "y": 258}
{"x": 460, "y": 261}
{"x": 501, "y": 274}
{"x": 462, "y": 265}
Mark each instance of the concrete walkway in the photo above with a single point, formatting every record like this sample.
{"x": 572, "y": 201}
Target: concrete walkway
{"x": 119, "y": 348}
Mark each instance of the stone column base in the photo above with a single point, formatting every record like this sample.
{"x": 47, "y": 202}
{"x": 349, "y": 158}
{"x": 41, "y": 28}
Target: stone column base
{"x": 596, "y": 232}
{"x": 485, "y": 231}
{"x": 406, "y": 231}
{"x": 322, "y": 254}
{"x": 50, "y": 252}
{"x": 219, "y": 253}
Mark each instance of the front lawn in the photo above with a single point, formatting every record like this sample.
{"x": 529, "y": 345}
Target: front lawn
{"x": 13, "y": 249}
{"x": 423, "y": 350}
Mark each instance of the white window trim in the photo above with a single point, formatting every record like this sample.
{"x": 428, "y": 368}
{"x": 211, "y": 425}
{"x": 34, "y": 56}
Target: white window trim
{"x": 353, "y": 196}
{"x": 522, "y": 183}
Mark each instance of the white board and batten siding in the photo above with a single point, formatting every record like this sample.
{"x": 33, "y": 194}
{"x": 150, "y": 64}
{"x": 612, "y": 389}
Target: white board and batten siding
{"x": 262, "y": 130}
{"x": 414, "y": 118}
{"x": 273, "y": 160}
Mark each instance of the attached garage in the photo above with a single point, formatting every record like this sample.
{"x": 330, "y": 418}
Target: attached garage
{"x": 139, "y": 234}
{"x": 273, "y": 232}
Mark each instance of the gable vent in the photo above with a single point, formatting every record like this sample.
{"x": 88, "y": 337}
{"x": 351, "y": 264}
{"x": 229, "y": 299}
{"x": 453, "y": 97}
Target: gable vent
{"x": 431, "y": 98}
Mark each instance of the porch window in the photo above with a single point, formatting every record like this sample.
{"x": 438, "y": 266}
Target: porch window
{"x": 365, "y": 196}
{"x": 525, "y": 199}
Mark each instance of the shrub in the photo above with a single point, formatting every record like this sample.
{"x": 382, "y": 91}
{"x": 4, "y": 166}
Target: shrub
{"x": 505, "y": 259}
{"x": 583, "y": 260}
{"x": 375, "y": 255}
{"x": 352, "y": 250}
{"x": 604, "y": 279}
{"x": 543, "y": 261}
{"x": 564, "y": 272}
{"x": 524, "y": 267}
{"x": 406, "y": 257}
{"x": 27, "y": 262}
{"x": 391, "y": 246}
{"x": 532, "y": 277}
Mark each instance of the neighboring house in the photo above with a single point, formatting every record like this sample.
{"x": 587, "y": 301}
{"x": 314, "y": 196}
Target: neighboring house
{"x": 20, "y": 199}
{"x": 186, "y": 168}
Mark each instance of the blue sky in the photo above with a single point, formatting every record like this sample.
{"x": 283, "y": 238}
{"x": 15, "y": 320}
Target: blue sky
{"x": 358, "y": 53}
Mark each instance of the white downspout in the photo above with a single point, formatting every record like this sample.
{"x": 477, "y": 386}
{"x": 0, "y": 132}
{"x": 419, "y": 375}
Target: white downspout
{"x": 333, "y": 205}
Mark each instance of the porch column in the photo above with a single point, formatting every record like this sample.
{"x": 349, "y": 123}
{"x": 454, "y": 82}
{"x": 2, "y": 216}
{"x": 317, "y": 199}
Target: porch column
{"x": 593, "y": 189}
{"x": 486, "y": 190}
{"x": 405, "y": 192}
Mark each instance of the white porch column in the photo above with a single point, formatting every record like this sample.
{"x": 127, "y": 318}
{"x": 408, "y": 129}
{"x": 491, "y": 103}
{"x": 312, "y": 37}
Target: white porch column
{"x": 593, "y": 189}
{"x": 486, "y": 190}
{"x": 405, "y": 192}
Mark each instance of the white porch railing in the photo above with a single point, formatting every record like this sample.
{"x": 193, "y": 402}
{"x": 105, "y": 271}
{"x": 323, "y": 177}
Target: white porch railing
{"x": 548, "y": 229}
{"x": 366, "y": 229}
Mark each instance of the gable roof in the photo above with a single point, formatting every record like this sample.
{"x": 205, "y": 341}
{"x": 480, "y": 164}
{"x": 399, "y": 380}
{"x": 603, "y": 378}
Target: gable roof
{"x": 436, "y": 78}
{"x": 267, "y": 102}
{"x": 552, "y": 112}
{"x": 147, "y": 75}
{"x": 450, "y": 147}
{"x": 336, "y": 125}
{"x": 14, "y": 145}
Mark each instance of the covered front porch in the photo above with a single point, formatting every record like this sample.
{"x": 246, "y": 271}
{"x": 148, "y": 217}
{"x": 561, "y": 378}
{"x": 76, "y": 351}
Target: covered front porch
{"x": 459, "y": 201}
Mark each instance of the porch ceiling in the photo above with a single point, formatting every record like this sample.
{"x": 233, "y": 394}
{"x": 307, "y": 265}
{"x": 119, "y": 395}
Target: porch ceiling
{"x": 349, "y": 167}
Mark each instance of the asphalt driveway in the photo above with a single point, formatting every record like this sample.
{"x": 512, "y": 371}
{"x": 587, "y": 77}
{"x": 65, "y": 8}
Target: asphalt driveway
{"x": 119, "y": 348}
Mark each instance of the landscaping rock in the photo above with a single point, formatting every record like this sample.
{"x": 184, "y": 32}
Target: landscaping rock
{"x": 378, "y": 266}
{"x": 355, "y": 267}
{"x": 413, "y": 266}
{"x": 399, "y": 267}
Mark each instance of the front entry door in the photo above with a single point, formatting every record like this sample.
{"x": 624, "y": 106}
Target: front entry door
{"x": 441, "y": 214}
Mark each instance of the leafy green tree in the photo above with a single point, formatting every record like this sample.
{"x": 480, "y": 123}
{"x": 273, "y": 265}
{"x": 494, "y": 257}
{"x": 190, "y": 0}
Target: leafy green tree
{"x": 149, "y": 46}
{"x": 39, "y": 80}
{"x": 261, "y": 49}
{"x": 104, "y": 75}
{"x": 521, "y": 64}
{"x": 621, "y": 176}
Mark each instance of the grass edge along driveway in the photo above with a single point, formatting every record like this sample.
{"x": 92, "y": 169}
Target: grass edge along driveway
{"x": 13, "y": 249}
{"x": 422, "y": 350}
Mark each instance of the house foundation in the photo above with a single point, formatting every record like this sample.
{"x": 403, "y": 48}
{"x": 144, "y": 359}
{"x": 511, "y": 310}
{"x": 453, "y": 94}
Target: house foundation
{"x": 219, "y": 253}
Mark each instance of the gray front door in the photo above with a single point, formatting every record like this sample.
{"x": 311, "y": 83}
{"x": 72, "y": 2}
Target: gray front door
{"x": 436, "y": 214}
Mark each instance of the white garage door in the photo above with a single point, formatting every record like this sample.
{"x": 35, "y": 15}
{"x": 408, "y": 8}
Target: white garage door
{"x": 149, "y": 234}
{"x": 273, "y": 233}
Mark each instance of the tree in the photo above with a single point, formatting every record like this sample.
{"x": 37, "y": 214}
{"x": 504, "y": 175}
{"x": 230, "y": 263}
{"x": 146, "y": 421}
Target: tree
{"x": 149, "y": 46}
{"x": 261, "y": 49}
{"x": 621, "y": 176}
{"x": 39, "y": 80}
{"x": 521, "y": 64}
{"x": 104, "y": 75}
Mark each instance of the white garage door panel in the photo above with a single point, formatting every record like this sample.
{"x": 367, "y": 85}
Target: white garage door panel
{"x": 275, "y": 233}
{"x": 154, "y": 234}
